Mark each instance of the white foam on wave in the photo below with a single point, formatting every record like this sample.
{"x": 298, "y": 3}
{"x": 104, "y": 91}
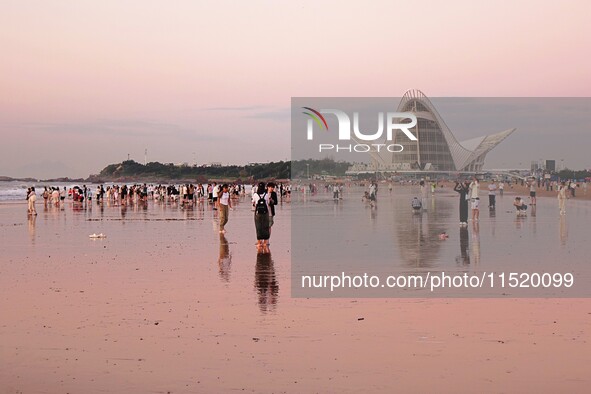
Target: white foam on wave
{"x": 10, "y": 191}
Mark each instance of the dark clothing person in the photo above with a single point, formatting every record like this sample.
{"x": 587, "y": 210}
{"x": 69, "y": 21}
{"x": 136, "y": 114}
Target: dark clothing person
{"x": 261, "y": 214}
{"x": 273, "y": 200}
{"x": 463, "y": 190}
{"x": 261, "y": 224}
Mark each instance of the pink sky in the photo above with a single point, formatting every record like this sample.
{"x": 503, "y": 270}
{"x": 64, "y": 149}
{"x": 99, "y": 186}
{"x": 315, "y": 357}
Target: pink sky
{"x": 85, "y": 83}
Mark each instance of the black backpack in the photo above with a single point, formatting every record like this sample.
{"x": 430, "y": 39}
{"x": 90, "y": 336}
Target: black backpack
{"x": 261, "y": 206}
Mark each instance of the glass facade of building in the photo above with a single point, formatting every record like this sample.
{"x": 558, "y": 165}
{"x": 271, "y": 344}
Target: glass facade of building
{"x": 436, "y": 148}
{"x": 431, "y": 151}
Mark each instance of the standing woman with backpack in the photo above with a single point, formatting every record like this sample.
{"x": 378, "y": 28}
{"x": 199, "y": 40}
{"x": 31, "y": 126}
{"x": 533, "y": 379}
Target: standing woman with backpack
{"x": 261, "y": 215}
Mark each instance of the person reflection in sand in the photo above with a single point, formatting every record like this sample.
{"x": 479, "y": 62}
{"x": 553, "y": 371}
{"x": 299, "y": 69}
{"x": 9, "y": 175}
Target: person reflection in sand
{"x": 464, "y": 257}
{"x": 476, "y": 242}
{"x": 265, "y": 282}
{"x": 563, "y": 230}
{"x": 225, "y": 259}
{"x": 123, "y": 210}
{"x": 32, "y": 222}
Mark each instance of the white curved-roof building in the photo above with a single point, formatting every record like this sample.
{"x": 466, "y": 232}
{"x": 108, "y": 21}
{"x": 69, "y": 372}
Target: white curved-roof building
{"x": 436, "y": 148}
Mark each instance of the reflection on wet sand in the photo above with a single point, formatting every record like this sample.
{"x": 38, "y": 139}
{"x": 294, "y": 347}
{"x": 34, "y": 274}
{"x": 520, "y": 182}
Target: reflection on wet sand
{"x": 418, "y": 234}
{"x": 189, "y": 212}
{"x": 532, "y": 221}
{"x": 492, "y": 213}
{"x": 265, "y": 282}
{"x": 373, "y": 212}
{"x": 519, "y": 220}
{"x": 464, "y": 257}
{"x": 563, "y": 230}
{"x": 476, "y": 242}
{"x": 224, "y": 259}
{"x": 32, "y": 221}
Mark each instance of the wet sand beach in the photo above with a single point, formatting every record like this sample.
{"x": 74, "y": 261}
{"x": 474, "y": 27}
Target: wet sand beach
{"x": 165, "y": 304}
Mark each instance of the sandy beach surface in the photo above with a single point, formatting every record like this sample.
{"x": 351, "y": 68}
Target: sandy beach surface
{"x": 164, "y": 304}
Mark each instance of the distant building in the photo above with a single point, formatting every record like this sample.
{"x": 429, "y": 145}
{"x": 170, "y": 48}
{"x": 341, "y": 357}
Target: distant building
{"x": 436, "y": 148}
{"x": 551, "y": 165}
{"x": 215, "y": 164}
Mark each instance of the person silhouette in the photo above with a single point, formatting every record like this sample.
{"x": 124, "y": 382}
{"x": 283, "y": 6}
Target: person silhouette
{"x": 463, "y": 188}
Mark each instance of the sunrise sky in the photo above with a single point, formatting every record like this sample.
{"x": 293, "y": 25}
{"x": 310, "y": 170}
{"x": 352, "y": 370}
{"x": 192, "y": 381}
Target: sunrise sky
{"x": 85, "y": 83}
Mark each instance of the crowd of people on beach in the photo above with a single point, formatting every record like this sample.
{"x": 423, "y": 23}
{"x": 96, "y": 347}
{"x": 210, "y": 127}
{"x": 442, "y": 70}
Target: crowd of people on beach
{"x": 469, "y": 192}
{"x": 219, "y": 197}
{"x": 264, "y": 197}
